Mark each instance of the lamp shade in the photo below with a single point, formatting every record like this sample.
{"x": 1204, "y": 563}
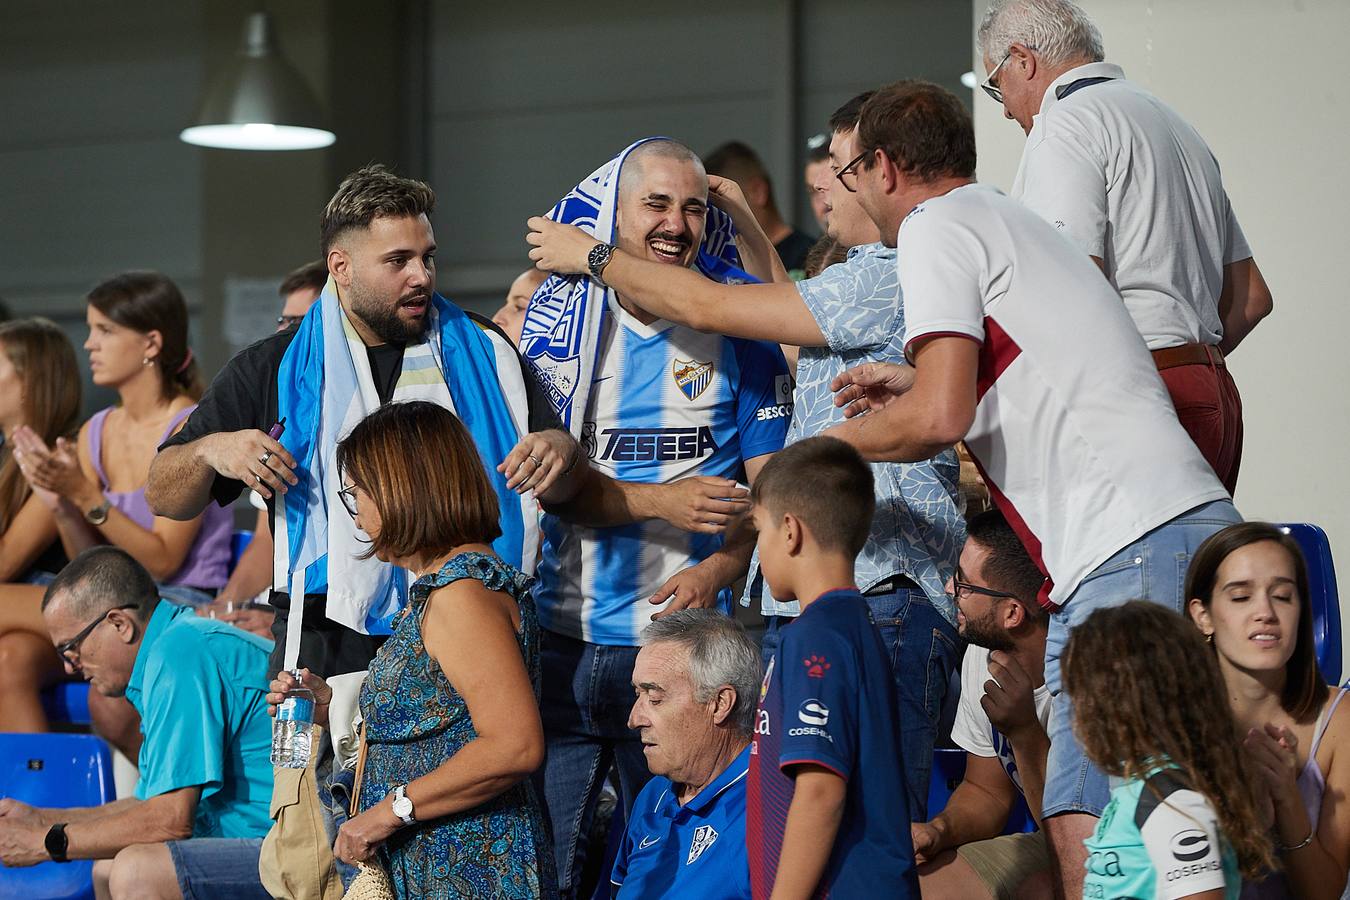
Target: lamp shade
{"x": 258, "y": 101}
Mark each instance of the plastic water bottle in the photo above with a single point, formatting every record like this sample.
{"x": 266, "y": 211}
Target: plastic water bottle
{"x": 293, "y": 729}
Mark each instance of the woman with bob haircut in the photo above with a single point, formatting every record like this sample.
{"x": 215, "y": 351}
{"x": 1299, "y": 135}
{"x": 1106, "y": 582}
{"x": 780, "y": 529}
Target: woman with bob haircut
{"x": 1148, "y": 708}
{"x": 1248, "y": 590}
{"x": 450, "y": 704}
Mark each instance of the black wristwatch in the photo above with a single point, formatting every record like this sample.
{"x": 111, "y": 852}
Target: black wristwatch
{"x": 598, "y": 258}
{"x": 56, "y": 843}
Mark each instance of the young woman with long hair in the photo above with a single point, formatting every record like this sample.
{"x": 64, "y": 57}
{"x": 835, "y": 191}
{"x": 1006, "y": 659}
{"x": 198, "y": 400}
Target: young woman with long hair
{"x": 1248, "y": 590}
{"x": 138, "y": 328}
{"x": 1148, "y": 708}
{"x": 40, "y": 391}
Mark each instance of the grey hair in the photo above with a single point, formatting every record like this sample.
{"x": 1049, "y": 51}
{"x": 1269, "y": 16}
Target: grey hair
{"x": 661, "y": 148}
{"x": 1058, "y": 30}
{"x": 720, "y": 653}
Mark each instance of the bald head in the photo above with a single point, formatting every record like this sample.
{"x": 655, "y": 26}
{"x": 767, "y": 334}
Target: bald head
{"x": 663, "y": 148}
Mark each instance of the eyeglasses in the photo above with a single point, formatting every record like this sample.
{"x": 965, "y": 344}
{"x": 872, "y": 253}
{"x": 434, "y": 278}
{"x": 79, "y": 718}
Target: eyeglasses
{"x": 348, "y": 497}
{"x": 70, "y": 650}
{"x": 851, "y": 170}
{"x": 988, "y": 85}
{"x": 287, "y": 321}
{"x": 965, "y": 587}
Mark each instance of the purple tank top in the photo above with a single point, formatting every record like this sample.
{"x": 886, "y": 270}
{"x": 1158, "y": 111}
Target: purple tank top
{"x": 207, "y": 563}
{"x": 1312, "y": 785}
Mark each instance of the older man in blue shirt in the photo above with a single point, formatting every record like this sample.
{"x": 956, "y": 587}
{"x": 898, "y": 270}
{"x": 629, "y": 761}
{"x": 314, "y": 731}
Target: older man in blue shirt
{"x": 697, "y": 681}
{"x": 201, "y": 808}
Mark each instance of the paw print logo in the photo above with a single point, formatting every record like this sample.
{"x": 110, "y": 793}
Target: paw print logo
{"x": 816, "y": 666}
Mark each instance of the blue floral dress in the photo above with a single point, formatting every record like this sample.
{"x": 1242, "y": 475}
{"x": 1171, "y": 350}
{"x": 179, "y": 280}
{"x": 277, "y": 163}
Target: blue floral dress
{"x": 415, "y": 721}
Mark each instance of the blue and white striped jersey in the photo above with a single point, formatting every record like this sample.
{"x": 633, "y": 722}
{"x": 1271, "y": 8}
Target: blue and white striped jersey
{"x": 666, "y": 402}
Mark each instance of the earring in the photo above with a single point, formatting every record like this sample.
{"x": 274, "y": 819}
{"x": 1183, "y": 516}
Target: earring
{"x": 1209, "y": 638}
{"x": 145, "y": 360}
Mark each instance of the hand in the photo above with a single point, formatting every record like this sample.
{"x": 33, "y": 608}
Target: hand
{"x": 538, "y": 461}
{"x": 22, "y": 843}
{"x": 1009, "y": 697}
{"x": 559, "y": 248}
{"x": 240, "y": 454}
{"x": 703, "y": 504}
{"x": 360, "y": 836}
{"x": 927, "y": 839}
{"x": 56, "y": 472}
{"x": 871, "y": 386}
{"x": 323, "y": 694}
{"x": 249, "y": 618}
{"x": 692, "y": 588}
{"x": 727, "y": 196}
{"x": 17, "y": 812}
{"x": 1274, "y": 751}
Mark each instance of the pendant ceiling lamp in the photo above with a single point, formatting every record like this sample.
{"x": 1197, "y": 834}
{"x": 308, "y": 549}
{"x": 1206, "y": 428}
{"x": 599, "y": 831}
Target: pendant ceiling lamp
{"x": 259, "y": 101}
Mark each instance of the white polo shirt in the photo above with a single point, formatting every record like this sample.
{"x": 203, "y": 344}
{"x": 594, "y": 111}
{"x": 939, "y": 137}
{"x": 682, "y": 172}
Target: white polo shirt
{"x": 1129, "y": 181}
{"x": 1074, "y": 432}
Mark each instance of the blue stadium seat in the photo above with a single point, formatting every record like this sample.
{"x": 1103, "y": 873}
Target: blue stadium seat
{"x": 54, "y": 770}
{"x": 1324, "y": 599}
{"x": 67, "y": 702}
{"x": 238, "y": 541}
{"x": 949, "y": 768}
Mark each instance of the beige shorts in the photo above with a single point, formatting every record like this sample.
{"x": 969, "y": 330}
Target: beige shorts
{"x": 1006, "y": 861}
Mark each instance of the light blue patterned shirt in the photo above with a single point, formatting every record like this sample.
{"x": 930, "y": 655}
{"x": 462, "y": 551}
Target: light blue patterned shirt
{"x": 918, "y": 529}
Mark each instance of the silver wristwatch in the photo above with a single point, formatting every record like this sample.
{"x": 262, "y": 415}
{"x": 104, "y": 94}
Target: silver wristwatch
{"x": 403, "y": 807}
{"x": 598, "y": 258}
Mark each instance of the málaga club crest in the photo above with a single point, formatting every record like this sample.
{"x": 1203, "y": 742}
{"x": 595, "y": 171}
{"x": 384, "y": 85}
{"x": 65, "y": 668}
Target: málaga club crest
{"x": 692, "y": 377}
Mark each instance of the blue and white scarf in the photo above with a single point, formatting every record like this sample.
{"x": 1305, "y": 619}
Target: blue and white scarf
{"x": 563, "y": 323}
{"x": 324, "y": 388}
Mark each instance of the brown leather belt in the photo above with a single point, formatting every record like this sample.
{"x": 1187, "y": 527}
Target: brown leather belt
{"x": 1188, "y": 355}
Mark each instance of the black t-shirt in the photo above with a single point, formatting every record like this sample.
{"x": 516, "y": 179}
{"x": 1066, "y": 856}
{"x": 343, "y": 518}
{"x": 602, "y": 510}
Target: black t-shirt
{"x": 792, "y": 249}
{"x": 244, "y": 395}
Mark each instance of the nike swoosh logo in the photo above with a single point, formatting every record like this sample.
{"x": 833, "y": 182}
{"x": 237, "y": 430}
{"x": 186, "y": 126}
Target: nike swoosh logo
{"x": 598, "y": 380}
{"x": 647, "y": 842}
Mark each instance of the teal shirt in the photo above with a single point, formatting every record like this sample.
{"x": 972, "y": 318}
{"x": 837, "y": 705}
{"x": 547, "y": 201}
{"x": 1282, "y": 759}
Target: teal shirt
{"x": 1157, "y": 838}
{"x": 201, "y": 687}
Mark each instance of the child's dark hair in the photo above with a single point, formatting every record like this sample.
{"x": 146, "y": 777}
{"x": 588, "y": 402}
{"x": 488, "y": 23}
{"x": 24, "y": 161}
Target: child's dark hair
{"x": 1145, "y": 689}
{"x": 825, "y": 483}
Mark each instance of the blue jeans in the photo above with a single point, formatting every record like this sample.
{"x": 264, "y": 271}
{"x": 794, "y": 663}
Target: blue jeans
{"x": 225, "y": 868}
{"x": 924, "y": 651}
{"x": 1152, "y": 568}
{"x": 586, "y": 697}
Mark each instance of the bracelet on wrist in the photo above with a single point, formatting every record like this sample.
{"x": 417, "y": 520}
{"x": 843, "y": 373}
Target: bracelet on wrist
{"x": 1312, "y": 831}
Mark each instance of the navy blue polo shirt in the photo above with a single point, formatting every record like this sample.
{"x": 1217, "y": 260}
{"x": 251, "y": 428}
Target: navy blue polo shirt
{"x": 695, "y": 850}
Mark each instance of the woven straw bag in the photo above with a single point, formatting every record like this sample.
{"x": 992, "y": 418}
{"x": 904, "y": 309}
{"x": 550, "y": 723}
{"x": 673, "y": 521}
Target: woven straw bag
{"x": 371, "y": 881}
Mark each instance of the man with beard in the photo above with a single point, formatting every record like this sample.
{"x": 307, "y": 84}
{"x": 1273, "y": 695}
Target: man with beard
{"x": 379, "y": 333}
{"x": 1001, "y": 723}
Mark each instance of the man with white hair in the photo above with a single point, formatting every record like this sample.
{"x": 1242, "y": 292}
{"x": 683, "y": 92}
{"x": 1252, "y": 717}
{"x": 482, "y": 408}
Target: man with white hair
{"x": 1129, "y": 182}
{"x": 697, "y": 681}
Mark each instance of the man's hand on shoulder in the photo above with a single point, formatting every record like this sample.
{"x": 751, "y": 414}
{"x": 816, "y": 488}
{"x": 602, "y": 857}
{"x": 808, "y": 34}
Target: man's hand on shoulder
{"x": 250, "y": 456}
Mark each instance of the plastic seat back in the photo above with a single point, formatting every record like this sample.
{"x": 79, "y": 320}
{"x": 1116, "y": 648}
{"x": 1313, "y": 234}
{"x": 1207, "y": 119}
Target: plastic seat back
{"x": 1324, "y": 597}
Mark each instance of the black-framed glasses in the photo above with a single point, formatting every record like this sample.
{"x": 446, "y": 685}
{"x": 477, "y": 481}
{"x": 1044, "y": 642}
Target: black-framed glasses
{"x": 965, "y": 587}
{"x": 988, "y": 86}
{"x": 70, "y": 650}
{"x": 348, "y": 497}
{"x": 851, "y": 170}
{"x": 284, "y": 322}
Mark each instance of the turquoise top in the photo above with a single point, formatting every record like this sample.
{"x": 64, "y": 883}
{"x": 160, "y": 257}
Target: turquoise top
{"x": 1163, "y": 843}
{"x": 201, "y": 688}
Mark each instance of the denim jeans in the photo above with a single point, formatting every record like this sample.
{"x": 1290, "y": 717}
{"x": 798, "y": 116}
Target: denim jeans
{"x": 1152, "y": 568}
{"x": 924, "y": 651}
{"x": 586, "y": 697}
{"x": 218, "y": 868}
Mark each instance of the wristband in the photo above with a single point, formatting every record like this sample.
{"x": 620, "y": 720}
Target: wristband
{"x": 1299, "y": 846}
